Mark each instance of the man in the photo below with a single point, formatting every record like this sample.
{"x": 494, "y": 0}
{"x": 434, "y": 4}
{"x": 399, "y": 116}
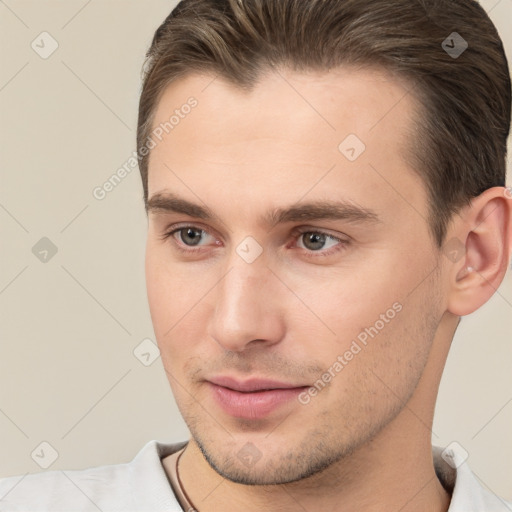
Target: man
{"x": 325, "y": 189}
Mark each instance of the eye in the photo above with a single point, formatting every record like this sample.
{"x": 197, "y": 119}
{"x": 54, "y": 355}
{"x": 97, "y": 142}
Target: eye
{"x": 189, "y": 236}
{"x": 318, "y": 243}
{"x": 315, "y": 240}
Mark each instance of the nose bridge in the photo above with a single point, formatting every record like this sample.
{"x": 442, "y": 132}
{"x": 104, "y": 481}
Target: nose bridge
{"x": 246, "y": 306}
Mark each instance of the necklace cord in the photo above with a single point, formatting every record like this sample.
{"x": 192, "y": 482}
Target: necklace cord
{"x": 194, "y": 509}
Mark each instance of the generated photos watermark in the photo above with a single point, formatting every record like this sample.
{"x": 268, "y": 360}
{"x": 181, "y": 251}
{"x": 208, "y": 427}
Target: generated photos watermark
{"x": 101, "y": 191}
{"x": 357, "y": 345}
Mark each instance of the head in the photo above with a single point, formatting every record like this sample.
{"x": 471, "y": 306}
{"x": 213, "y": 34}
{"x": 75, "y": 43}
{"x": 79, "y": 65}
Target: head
{"x": 336, "y": 158}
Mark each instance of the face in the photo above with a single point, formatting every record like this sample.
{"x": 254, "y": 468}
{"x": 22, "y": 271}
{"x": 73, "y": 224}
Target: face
{"x": 295, "y": 305}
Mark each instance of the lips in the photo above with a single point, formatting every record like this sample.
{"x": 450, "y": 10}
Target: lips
{"x": 253, "y": 398}
{"x": 252, "y": 385}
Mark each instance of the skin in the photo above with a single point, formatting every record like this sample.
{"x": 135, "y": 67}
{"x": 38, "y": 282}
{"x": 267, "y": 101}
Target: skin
{"x": 288, "y": 316}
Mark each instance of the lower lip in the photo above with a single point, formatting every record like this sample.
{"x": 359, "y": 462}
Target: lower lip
{"x": 254, "y": 405}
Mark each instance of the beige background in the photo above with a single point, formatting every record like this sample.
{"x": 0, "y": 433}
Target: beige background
{"x": 69, "y": 327}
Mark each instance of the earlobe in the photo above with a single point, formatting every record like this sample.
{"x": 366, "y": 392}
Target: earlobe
{"x": 485, "y": 232}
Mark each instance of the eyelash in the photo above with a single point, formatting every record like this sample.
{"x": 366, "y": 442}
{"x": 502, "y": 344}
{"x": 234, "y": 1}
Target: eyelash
{"x": 296, "y": 234}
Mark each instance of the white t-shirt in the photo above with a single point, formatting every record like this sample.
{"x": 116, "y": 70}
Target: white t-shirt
{"x": 142, "y": 486}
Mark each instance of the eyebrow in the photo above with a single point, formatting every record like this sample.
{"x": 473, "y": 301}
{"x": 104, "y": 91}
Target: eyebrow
{"x": 316, "y": 210}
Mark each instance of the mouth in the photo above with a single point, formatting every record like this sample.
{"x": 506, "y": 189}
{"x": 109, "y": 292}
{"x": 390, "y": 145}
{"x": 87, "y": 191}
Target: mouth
{"x": 254, "y": 398}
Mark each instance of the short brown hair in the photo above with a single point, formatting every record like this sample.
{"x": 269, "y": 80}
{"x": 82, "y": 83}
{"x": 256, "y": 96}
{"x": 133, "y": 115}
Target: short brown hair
{"x": 460, "y": 145}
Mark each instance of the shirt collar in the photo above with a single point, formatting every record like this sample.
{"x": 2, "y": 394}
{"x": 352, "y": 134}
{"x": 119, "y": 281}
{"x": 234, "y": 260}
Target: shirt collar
{"x": 468, "y": 494}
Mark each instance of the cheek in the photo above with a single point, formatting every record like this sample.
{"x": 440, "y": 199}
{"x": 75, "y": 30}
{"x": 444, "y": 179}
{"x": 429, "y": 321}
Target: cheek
{"x": 157, "y": 288}
{"x": 168, "y": 289}
{"x": 373, "y": 379}
{"x": 349, "y": 300}
{"x": 374, "y": 321}
{"x": 393, "y": 345}
{"x": 178, "y": 306}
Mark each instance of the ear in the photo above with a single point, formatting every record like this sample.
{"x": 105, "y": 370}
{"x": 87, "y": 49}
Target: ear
{"x": 478, "y": 247}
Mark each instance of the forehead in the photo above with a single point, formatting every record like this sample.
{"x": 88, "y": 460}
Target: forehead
{"x": 292, "y": 134}
{"x": 332, "y": 101}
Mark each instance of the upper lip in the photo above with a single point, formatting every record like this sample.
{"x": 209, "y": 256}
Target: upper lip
{"x": 253, "y": 384}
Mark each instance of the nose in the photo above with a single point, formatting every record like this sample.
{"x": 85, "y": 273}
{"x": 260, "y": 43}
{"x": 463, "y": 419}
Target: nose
{"x": 248, "y": 309}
